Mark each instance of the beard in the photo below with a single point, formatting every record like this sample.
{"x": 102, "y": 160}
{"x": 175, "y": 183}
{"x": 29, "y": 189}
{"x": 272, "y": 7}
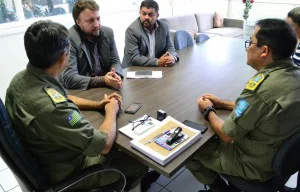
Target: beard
{"x": 91, "y": 34}
{"x": 94, "y": 34}
{"x": 147, "y": 24}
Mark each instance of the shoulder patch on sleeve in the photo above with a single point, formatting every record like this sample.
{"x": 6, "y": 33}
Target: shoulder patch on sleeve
{"x": 241, "y": 107}
{"x": 55, "y": 96}
{"x": 73, "y": 118}
{"x": 255, "y": 81}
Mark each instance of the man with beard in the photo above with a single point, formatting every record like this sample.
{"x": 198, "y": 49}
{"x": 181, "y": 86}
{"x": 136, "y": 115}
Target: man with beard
{"x": 147, "y": 40}
{"x": 94, "y": 59}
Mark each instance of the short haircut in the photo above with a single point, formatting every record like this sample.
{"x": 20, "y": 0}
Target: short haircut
{"x": 150, "y": 4}
{"x": 278, "y": 35}
{"x": 81, "y": 5}
{"x": 294, "y": 14}
{"x": 44, "y": 42}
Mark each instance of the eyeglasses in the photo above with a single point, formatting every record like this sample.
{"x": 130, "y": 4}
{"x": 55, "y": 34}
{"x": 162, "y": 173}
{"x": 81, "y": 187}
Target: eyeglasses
{"x": 135, "y": 124}
{"x": 248, "y": 43}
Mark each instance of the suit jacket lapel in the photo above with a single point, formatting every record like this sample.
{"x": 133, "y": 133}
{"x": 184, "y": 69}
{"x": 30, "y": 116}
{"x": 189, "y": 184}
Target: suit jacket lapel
{"x": 104, "y": 51}
{"x": 82, "y": 45}
{"x": 158, "y": 36}
{"x": 144, "y": 34}
{"x": 87, "y": 53}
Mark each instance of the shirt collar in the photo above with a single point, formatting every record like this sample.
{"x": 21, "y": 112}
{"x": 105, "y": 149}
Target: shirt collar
{"x": 275, "y": 65}
{"x": 44, "y": 77}
{"x": 155, "y": 27}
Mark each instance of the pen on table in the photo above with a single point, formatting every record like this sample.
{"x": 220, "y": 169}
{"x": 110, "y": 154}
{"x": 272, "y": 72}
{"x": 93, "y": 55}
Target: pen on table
{"x": 157, "y": 136}
{"x": 161, "y": 134}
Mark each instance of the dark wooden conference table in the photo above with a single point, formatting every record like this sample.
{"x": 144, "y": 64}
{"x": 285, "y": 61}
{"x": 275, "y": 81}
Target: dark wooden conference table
{"x": 216, "y": 66}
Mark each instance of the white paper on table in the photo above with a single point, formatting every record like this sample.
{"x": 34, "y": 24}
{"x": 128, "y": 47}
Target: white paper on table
{"x": 127, "y": 129}
{"x": 155, "y": 74}
{"x": 155, "y": 155}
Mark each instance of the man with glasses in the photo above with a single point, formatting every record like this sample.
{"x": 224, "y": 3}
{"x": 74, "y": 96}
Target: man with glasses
{"x": 293, "y": 18}
{"x": 147, "y": 40}
{"x": 94, "y": 59}
{"x": 263, "y": 117}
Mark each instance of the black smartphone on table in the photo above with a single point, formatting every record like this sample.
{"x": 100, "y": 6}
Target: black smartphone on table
{"x": 143, "y": 73}
{"x": 194, "y": 125}
{"x": 133, "y": 108}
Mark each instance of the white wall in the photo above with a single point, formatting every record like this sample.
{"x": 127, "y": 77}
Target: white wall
{"x": 262, "y": 9}
{"x": 13, "y": 56}
{"x": 13, "y": 59}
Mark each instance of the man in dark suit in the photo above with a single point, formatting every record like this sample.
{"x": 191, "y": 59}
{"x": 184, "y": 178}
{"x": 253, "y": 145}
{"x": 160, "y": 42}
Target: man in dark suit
{"x": 94, "y": 59}
{"x": 147, "y": 40}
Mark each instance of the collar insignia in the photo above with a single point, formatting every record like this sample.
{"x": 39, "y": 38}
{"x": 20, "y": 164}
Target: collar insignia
{"x": 55, "y": 96}
{"x": 254, "y": 82}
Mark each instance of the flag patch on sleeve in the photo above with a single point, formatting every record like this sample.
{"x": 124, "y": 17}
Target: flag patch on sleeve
{"x": 241, "y": 107}
{"x": 73, "y": 118}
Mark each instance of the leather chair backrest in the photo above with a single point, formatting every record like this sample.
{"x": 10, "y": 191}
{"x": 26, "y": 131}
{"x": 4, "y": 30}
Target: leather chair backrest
{"x": 286, "y": 162}
{"x": 15, "y": 155}
{"x": 287, "y": 159}
{"x": 182, "y": 39}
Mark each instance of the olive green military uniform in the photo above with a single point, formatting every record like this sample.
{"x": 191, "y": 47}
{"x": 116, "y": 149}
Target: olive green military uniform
{"x": 56, "y": 133}
{"x": 266, "y": 114}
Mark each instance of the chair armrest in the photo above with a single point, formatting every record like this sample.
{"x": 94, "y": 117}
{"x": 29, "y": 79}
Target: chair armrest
{"x": 83, "y": 174}
{"x": 233, "y": 23}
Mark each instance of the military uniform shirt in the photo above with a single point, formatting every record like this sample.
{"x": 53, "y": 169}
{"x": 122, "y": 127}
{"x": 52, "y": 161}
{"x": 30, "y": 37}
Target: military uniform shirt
{"x": 266, "y": 114}
{"x": 50, "y": 125}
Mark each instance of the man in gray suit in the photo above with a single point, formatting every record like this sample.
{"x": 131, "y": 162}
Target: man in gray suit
{"x": 94, "y": 59}
{"x": 147, "y": 40}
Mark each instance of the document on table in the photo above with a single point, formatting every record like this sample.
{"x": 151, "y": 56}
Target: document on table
{"x": 150, "y": 143}
{"x": 138, "y": 127}
{"x": 133, "y": 75}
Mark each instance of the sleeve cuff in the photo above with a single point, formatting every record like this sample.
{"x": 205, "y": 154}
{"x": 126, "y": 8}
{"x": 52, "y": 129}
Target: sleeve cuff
{"x": 97, "y": 144}
{"x": 120, "y": 75}
{"x": 227, "y": 127}
{"x": 176, "y": 59}
{"x": 232, "y": 129}
{"x": 97, "y": 81}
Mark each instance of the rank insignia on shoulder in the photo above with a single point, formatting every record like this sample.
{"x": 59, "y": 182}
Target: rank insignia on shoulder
{"x": 254, "y": 82}
{"x": 55, "y": 96}
{"x": 241, "y": 107}
{"x": 73, "y": 118}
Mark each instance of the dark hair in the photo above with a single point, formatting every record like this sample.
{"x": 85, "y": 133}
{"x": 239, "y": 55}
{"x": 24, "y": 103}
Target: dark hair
{"x": 295, "y": 15}
{"x": 44, "y": 42}
{"x": 81, "y": 5}
{"x": 150, "y": 4}
{"x": 278, "y": 35}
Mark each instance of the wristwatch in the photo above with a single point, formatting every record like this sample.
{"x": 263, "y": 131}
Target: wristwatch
{"x": 207, "y": 111}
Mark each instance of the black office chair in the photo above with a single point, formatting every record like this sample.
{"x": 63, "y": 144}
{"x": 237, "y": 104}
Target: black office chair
{"x": 285, "y": 164}
{"x": 26, "y": 168}
{"x": 182, "y": 39}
